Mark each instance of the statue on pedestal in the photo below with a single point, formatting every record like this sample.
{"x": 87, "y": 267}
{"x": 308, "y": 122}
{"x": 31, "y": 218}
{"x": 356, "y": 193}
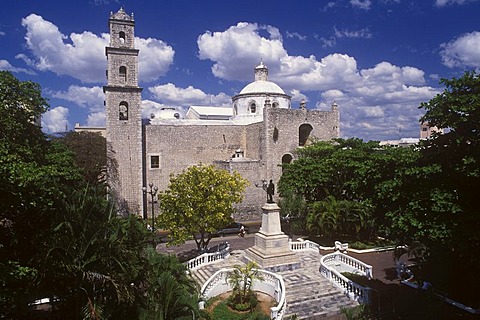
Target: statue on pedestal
{"x": 270, "y": 192}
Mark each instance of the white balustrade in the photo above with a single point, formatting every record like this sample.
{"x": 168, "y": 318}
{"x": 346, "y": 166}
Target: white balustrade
{"x": 208, "y": 258}
{"x": 328, "y": 268}
{"x": 307, "y": 245}
{"x": 272, "y": 285}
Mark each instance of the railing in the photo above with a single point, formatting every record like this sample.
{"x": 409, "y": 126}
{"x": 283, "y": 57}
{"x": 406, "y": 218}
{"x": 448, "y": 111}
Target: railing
{"x": 208, "y": 258}
{"x": 352, "y": 289}
{"x": 307, "y": 245}
{"x": 272, "y": 285}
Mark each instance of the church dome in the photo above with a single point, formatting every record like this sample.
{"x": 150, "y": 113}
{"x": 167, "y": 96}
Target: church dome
{"x": 261, "y": 86}
{"x": 261, "y": 83}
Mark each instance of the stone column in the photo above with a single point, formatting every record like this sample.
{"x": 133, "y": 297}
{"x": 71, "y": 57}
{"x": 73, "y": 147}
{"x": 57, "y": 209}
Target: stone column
{"x": 271, "y": 250}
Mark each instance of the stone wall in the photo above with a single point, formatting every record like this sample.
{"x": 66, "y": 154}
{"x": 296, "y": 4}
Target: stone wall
{"x": 181, "y": 146}
{"x": 124, "y": 148}
{"x": 282, "y": 133}
{"x": 254, "y": 196}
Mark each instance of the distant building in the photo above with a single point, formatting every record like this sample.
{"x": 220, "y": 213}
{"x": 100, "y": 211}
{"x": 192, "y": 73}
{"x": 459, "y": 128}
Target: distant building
{"x": 403, "y": 142}
{"x": 254, "y": 136}
{"x": 426, "y": 130}
{"x": 425, "y": 133}
{"x": 100, "y": 130}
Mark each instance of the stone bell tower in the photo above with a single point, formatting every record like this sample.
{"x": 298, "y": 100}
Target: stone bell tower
{"x": 123, "y": 115}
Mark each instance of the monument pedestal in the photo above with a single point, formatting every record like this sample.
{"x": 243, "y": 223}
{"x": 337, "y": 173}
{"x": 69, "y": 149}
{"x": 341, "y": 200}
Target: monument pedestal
{"x": 271, "y": 250}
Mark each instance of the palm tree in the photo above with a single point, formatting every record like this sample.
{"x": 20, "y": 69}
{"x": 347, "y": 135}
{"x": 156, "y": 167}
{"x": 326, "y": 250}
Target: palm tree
{"x": 241, "y": 280}
{"x": 171, "y": 293}
{"x": 94, "y": 256}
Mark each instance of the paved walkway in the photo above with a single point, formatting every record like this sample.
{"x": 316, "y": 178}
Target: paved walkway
{"x": 308, "y": 294}
{"x": 396, "y": 301}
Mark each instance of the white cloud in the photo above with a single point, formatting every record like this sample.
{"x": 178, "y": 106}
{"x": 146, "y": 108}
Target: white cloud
{"x": 332, "y": 95}
{"x": 361, "y": 4}
{"x": 90, "y": 98}
{"x": 55, "y": 120}
{"x": 96, "y": 119}
{"x": 5, "y": 65}
{"x": 171, "y": 95}
{"x": 328, "y": 42}
{"x": 443, "y": 3}
{"x": 81, "y": 55}
{"x": 244, "y": 45}
{"x": 296, "y": 35}
{"x": 82, "y": 58}
{"x": 362, "y": 33}
{"x": 154, "y": 58}
{"x": 462, "y": 51}
{"x": 297, "y": 96}
{"x": 385, "y": 96}
{"x": 85, "y": 97}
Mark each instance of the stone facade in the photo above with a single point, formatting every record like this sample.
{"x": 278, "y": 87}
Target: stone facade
{"x": 262, "y": 133}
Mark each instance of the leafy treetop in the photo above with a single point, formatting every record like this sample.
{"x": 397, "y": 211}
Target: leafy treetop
{"x": 199, "y": 201}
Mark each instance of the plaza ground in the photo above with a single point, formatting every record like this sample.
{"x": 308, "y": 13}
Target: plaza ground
{"x": 395, "y": 300}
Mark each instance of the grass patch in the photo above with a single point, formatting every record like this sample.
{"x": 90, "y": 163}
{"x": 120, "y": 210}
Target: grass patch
{"x": 217, "y": 308}
{"x": 222, "y": 311}
{"x": 362, "y": 245}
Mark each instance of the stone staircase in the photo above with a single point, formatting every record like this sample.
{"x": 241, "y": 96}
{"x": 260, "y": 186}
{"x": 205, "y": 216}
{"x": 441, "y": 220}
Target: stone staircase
{"x": 309, "y": 295}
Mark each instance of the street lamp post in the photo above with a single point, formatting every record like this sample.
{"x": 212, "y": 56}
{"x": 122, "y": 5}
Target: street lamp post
{"x": 152, "y": 192}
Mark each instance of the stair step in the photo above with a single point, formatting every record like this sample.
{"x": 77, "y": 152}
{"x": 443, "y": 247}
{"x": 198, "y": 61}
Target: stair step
{"x": 309, "y": 295}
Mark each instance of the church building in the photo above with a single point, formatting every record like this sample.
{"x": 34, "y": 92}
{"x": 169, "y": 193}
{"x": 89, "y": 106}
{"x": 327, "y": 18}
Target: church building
{"x": 254, "y": 136}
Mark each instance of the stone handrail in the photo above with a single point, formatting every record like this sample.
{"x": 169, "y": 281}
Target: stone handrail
{"x": 207, "y": 258}
{"x": 352, "y": 289}
{"x": 272, "y": 285}
{"x": 307, "y": 245}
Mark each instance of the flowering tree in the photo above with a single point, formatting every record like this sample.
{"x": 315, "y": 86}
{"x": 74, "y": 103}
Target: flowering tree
{"x": 198, "y": 202}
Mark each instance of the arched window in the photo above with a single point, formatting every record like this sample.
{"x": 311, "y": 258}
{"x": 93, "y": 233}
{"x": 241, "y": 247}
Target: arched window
{"x": 123, "y": 73}
{"x": 253, "y": 108}
{"x": 123, "y": 111}
{"x": 287, "y": 158}
{"x": 121, "y": 36}
{"x": 304, "y": 133}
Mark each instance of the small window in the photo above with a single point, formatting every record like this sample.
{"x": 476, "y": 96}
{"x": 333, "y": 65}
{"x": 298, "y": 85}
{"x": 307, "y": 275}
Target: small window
{"x": 121, "y": 36}
{"x": 424, "y": 129}
{"x": 123, "y": 111}
{"x": 122, "y": 72}
{"x": 253, "y": 108}
{"x": 154, "y": 162}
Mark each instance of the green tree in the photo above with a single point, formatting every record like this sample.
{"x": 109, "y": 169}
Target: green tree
{"x": 241, "y": 280}
{"x": 90, "y": 153}
{"x": 171, "y": 293}
{"x": 341, "y": 183}
{"x": 35, "y": 175}
{"x": 434, "y": 201}
{"x": 198, "y": 202}
{"x": 94, "y": 257}
{"x": 456, "y": 154}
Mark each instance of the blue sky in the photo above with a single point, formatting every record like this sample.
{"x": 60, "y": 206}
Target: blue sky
{"x": 378, "y": 59}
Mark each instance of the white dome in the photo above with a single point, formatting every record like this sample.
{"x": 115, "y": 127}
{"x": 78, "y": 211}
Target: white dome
{"x": 261, "y": 86}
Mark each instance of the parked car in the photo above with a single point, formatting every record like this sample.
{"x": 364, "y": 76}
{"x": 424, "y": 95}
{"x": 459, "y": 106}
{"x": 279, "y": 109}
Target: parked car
{"x": 218, "y": 248}
{"x": 233, "y": 228}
